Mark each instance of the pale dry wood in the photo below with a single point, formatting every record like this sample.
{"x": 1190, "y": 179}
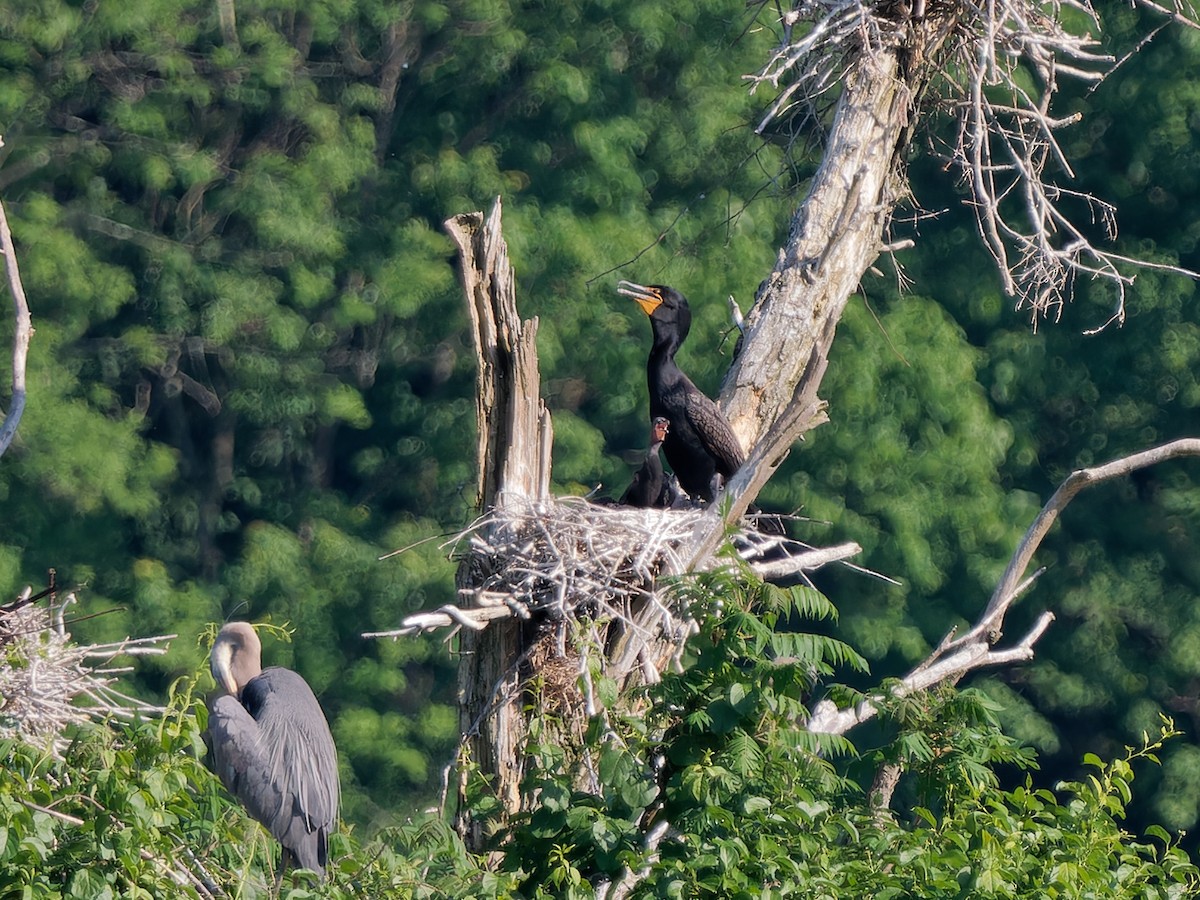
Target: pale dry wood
{"x": 835, "y": 236}
{"x": 23, "y": 331}
{"x": 514, "y": 428}
{"x": 575, "y": 566}
{"x": 1010, "y": 583}
{"x": 878, "y": 59}
{"x": 514, "y": 435}
{"x": 538, "y": 572}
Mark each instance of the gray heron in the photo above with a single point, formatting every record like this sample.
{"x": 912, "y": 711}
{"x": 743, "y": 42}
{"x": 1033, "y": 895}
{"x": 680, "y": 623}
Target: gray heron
{"x": 272, "y": 749}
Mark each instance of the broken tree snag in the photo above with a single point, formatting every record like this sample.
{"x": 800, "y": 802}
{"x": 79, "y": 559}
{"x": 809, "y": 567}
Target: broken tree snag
{"x": 1011, "y": 584}
{"x": 23, "y": 330}
{"x": 515, "y": 433}
{"x": 515, "y": 437}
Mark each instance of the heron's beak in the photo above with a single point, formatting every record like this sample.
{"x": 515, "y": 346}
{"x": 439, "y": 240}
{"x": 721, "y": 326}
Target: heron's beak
{"x": 222, "y": 667}
{"x": 649, "y": 299}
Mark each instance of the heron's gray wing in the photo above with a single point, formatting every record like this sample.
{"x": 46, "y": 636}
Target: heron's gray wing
{"x": 239, "y": 758}
{"x": 300, "y": 780}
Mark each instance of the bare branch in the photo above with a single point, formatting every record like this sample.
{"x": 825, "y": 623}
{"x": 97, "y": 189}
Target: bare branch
{"x": 955, "y": 656}
{"x": 22, "y": 333}
{"x": 828, "y": 719}
{"x": 574, "y": 565}
{"x": 1007, "y": 589}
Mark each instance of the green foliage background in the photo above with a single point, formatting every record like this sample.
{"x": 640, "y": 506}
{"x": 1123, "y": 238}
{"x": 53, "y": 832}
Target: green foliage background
{"x": 251, "y": 375}
{"x": 757, "y": 806}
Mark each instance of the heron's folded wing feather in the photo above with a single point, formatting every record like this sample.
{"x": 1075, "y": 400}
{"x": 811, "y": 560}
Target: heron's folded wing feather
{"x": 240, "y": 761}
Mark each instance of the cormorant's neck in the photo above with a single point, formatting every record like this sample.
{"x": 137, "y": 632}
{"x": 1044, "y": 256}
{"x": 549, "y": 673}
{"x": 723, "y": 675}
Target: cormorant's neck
{"x": 668, "y": 337}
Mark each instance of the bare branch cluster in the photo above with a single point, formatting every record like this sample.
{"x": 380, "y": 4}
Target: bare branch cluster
{"x": 819, "y": 43}
{"x": 996, "y": 68}
{"x": 48, "y": 682}
{"x": 1042, "y": 234}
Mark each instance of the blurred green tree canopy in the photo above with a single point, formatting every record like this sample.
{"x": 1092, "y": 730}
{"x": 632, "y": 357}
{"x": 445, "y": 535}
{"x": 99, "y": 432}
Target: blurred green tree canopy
{"x": 251, "y": 377}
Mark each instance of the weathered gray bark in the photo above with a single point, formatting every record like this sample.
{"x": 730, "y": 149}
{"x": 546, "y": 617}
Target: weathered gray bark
{"x": 770, "y": 393}
{"x": 515, "y": 436}
{"x": 514, "y": 428}
{"x": 835, "y": 236}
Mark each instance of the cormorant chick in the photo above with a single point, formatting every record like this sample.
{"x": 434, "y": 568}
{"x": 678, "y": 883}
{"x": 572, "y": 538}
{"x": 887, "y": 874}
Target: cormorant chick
{"x": 648, "y": 487}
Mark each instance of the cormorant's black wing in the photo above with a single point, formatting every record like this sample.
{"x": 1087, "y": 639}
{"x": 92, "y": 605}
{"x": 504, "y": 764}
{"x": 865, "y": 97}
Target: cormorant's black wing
{"x": 715, "y": 433}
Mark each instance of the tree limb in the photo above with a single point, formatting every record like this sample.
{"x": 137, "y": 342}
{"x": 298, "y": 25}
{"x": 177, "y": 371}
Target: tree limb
{"x": 954, "y": 657}
{"x": 1008, "y": 588}
{"x": 21, "y": 335}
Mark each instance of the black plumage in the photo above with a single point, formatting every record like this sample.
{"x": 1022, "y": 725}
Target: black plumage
{"x": 701, "y": 444}
{"x": 648, "y": 487}
{"x": 272, "y": 748}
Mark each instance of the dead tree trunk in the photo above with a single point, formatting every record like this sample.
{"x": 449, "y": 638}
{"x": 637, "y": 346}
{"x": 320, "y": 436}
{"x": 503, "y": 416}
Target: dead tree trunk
{"x": 515, "y": 436}
{"x": 835, "y": 236}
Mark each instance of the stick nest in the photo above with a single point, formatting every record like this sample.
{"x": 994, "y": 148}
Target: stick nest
{"x": 48, "y": 683}
{"x": 560, "y": 560}
{"x": 570, "y": 559}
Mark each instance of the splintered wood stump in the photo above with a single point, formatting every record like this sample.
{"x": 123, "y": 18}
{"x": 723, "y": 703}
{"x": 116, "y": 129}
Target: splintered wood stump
{"x": 515, "y": 438}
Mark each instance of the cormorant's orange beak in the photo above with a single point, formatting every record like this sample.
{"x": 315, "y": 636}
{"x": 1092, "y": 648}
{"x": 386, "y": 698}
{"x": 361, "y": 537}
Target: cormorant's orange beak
{"x": 649, "y": 299}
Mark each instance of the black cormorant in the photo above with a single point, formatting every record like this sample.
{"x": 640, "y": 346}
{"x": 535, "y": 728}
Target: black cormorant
{"x": 700, "y": 445}
{"x": 648, "y": 487}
